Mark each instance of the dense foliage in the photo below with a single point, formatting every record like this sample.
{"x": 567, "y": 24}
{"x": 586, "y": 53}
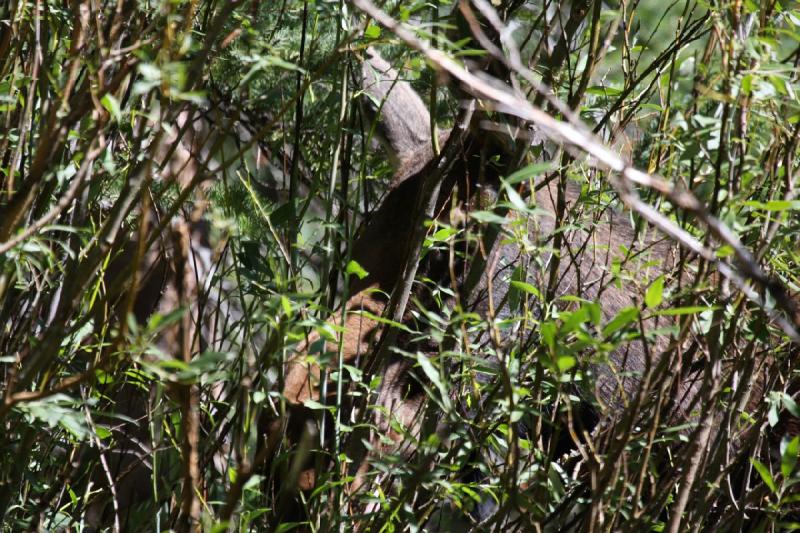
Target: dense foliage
{"x": 181, "y": 186}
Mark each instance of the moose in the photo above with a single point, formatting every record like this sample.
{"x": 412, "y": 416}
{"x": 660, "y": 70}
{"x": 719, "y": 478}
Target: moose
{"x": 472, "y": 184}
{"x": 594, "y": 276}
{"x": 650, "y": 371}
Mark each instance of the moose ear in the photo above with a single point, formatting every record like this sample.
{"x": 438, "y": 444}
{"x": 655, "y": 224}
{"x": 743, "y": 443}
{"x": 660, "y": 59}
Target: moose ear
{"x": 403, "y": 122}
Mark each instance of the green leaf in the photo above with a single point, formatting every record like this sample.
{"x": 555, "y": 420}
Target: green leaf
{"x": 112, "y": 106}
{"x": 772, "y": 415}
{"x": 780, "y": 84}
{"x": 790, "y": 405}
{"x": 285, "y": 527}
{"x": 487, "y": 217}
{"x": 354, "y": 268}
{"x": 763, "y": 471}
{"x": 724, "y": 251}
{"x": 515, "y": 199}
{"x": 286, "y": 305}
{"x": 528, "y": 172}
{"x": 565, "y": 362}
{"x": 150, "y": 71}
{"x": 680, "y": 311}
{"x": 548, "y": 332}
{"x": 157, "y": 322}
{"x": 789, "y": 457}
{"x": 442, "y": 234}
{"x": 275, "y": 61}
{"x": 76, "y": 427}
{"x": 432, "y": 373}
{"x": 314, "y": 405}
{"x": 655, "y": 293}
{"x": 747, "y": 84}
{"x": 372, "y": 32}
{"x": 774, "y": 205}
{"x": 623, "y": 318}
{"x": 103, "y": 377}
{"x": 259, "y": 397}
{"x": 381, "y": 320}
{"x": 594, "y": 311}
{"x": 514, "y": 293}
{"x": 221, "y": 527}
{"x": 526, "y": 287}
{"x": 283, "y": 214}
{"x": 793, "y": 498}
{"x": 604, "y": 91}
{"x": 102, "y": 432}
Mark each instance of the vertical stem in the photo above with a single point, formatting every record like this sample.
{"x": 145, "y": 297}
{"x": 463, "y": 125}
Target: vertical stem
{"x": 298, "y": 124}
